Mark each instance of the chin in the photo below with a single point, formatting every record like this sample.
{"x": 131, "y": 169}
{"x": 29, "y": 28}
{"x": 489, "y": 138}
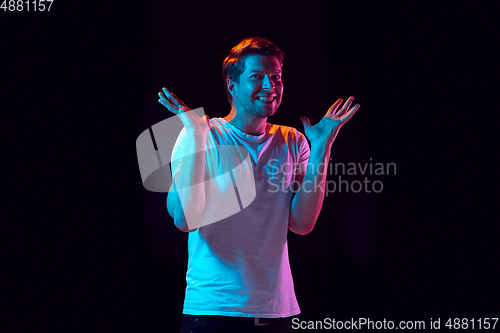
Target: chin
{"x": 267, "y": 113}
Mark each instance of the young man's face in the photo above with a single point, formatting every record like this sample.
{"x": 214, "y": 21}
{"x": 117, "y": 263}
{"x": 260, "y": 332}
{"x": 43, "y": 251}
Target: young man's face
{"x": 259, "y": 89}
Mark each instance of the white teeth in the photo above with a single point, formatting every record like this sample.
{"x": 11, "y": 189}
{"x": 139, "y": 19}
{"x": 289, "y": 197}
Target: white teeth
{"x": 266, "y": 99}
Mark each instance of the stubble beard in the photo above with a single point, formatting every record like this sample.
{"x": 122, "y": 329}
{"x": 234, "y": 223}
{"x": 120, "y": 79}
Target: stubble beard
{"x": 263, "y": 112}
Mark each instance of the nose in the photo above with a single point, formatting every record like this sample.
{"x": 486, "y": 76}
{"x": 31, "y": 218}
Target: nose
{"x": 267, "y": 82}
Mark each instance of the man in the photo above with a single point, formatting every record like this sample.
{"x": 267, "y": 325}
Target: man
{"x": 238, "y": 276}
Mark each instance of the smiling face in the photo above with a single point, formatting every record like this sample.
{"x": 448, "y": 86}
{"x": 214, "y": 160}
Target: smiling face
{"x": 259, "y": 89}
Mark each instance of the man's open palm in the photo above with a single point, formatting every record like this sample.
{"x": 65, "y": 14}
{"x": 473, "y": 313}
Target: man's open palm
{"x": 193, "y": 124}
{"x": 326, "y": 130}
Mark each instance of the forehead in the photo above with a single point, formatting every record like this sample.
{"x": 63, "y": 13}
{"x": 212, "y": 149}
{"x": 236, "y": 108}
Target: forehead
{"x": 265, "y": 63}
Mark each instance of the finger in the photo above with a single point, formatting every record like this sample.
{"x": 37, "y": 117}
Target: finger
{"x": 177, "y": 99}
{"x": 334, "y": 107}
{"x": 171, "y": 97}
{"x": 165, "y": 99}
{"x": 174, "y": 101}
{"x": 345, "y": 107}
{"x": 349, "y": 114}
{"x": 305, "y": 122}
{"x": 181, "y": 103}
{"x": 162, "y": 96}
{"x": 166, "y": 92}
{"x": 169, "y": 106}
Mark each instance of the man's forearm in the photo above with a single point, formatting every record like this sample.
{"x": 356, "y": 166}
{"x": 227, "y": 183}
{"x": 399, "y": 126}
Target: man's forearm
{"x": 307, "y": 202}
{"x": 189, "y": 183}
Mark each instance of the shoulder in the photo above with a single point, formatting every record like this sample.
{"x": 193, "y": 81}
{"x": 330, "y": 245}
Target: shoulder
{"x": 219, "y": 127}
{"x": 290, "y": 134}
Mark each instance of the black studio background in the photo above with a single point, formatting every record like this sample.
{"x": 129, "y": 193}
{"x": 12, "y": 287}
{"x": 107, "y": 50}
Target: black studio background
{"x": 95, "y": 251}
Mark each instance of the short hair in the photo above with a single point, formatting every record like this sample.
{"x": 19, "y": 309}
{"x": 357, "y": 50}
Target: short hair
{"x": 234, "y": 64}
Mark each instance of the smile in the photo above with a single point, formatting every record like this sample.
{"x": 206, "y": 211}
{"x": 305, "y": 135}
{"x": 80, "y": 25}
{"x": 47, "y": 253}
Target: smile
{"x": 266, "y": 99}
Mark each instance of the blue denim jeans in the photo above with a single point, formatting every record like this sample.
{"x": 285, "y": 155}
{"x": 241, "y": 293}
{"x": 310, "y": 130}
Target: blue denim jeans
{"x": 221, "y": 324}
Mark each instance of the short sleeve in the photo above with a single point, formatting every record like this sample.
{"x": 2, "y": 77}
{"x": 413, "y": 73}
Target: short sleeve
{"x": 304, "y": 151}
{"x": 178, "y": 153}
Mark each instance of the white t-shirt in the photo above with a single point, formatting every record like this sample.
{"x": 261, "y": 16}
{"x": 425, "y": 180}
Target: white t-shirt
{"x": 239, "y": 265}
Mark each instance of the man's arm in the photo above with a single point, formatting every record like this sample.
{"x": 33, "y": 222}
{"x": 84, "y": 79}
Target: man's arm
{"x": 174, "y": 208}
{"x": 188, "y": 192}
{"x": 308, "y": 201}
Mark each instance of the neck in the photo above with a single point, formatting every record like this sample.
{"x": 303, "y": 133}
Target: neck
{"x": 247, "y": 123}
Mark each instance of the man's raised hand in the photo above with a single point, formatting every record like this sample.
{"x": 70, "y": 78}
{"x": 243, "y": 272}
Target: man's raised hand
{"x": 326, "y": 130}
{"x": 194, "y": 125}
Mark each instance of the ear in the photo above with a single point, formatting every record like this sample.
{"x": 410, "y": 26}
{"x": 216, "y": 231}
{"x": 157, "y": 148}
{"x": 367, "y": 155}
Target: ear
{"x": 232, "y": 87}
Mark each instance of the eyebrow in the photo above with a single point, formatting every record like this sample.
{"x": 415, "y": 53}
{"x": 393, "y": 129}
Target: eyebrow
{"x": 261, "y": 72}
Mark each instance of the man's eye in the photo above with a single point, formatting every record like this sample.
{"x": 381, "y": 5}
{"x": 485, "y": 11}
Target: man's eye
{"x": 257, "y": 76}
{"x": 277, "y": 77}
